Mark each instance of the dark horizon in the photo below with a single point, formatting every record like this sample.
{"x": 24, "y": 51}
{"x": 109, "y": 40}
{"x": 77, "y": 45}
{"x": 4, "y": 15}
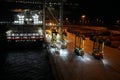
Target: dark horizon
{"x": 104, "y": 10}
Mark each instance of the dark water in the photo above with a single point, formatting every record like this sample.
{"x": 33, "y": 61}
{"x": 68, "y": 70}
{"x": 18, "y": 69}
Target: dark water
{"x": 24, "y": 62}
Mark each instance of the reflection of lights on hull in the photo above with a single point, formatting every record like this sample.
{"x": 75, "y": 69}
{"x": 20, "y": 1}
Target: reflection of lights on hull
{"x": 24, "y": 36}
{"x": 24, "y": 39}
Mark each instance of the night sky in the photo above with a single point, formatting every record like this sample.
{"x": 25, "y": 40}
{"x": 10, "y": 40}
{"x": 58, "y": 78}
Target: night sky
{"x": 108, "y": 10}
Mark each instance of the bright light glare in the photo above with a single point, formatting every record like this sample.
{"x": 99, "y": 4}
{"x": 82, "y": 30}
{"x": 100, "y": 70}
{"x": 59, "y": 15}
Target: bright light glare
{"x": 52, "y": 50}
{"x": 58, "y": 36}
{"x": 50, "y": 24}
{"x": 9, "y": 31}
{"x": 30, "y": 19}
{"x": 48, "y": 37}
{"x": 35, "y": 16}
{"x": 105, "y": 62}
{"x": 40, "y": 31}
{"x": 83, "y": 16}
{"x": 85, "y": 58}
{"x": 21, "y": 16}
{"x": 63, "y": 52}
{"x": 26, "y": 19}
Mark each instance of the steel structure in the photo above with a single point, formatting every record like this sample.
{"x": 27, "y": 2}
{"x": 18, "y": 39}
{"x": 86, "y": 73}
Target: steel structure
{"x": 46, "y": 7}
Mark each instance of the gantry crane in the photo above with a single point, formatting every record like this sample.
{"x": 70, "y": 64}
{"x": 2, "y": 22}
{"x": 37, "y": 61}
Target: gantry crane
{"x": 98, "y": 47}
{"x": 79, "y": 49}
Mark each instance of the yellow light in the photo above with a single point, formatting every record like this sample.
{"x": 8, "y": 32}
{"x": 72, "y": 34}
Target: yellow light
{"x": 83, "y": 16}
